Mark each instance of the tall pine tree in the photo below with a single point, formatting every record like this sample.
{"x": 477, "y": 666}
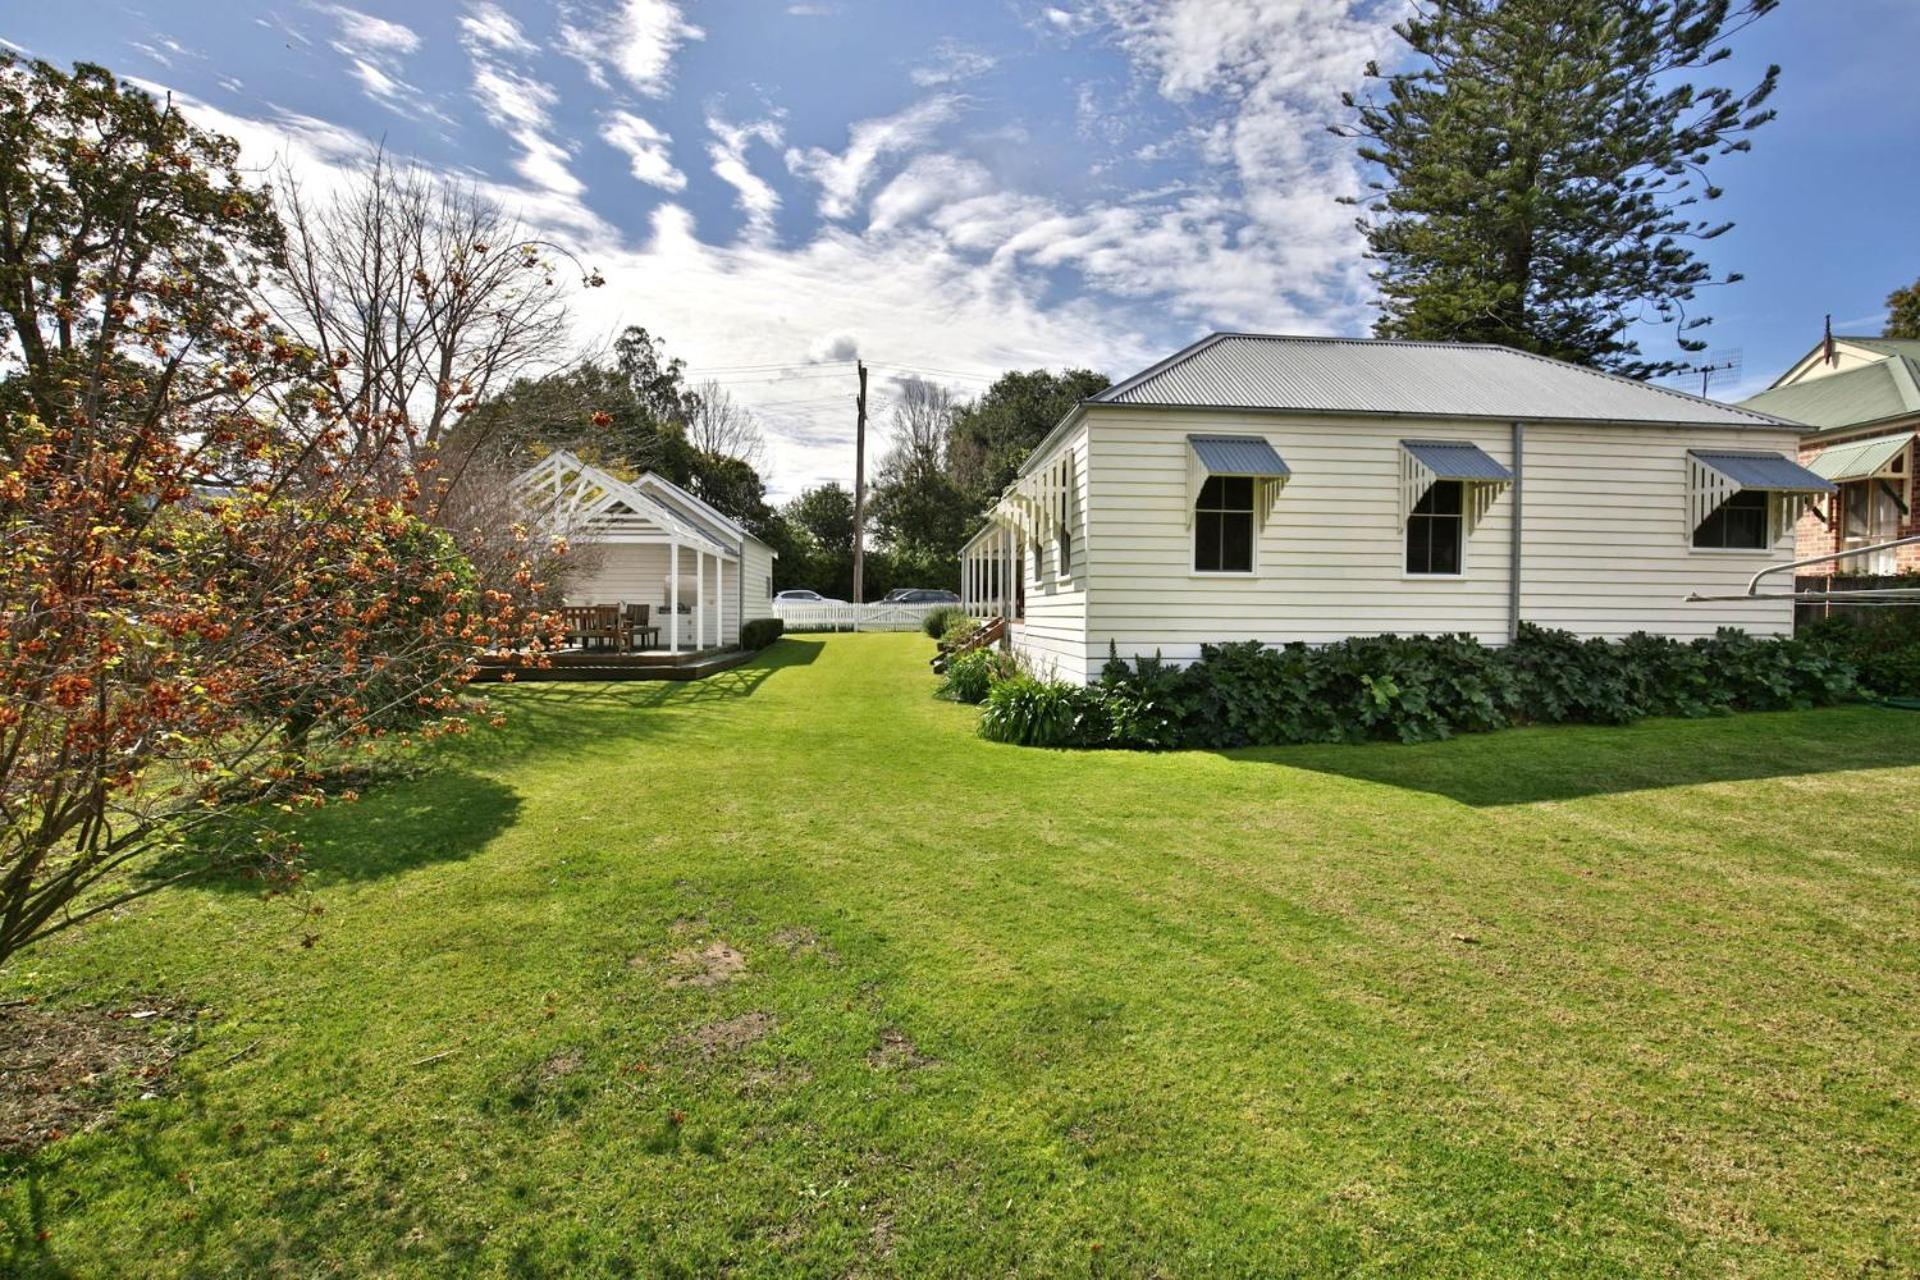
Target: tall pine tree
{"x": 1539, "y": 166}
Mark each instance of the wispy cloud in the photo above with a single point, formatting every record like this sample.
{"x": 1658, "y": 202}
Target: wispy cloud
{"x": 520, "y": 106}
{"x": 844, "y": 175}
{"x": 376, "y": 50}
{"x": 754, "y": 195}
{"x": 952, "y": 63}
{"x": 490, "y": 25}
{"x": 647, "y": 149}
{"x": 636, "y": 40}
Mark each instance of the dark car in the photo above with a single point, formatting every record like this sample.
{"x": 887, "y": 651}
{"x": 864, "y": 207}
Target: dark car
{"x": 920, "y": 595}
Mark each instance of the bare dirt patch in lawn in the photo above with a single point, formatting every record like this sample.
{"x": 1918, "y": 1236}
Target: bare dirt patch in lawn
{"x": 710, "y": 966}
{"x": 799, "y": 940}
{"x": 562, "y": 1064}
{"x": 730, "y": 1035}
{"x": 897, "y": 1053}
{"x": 65, "y": 1070}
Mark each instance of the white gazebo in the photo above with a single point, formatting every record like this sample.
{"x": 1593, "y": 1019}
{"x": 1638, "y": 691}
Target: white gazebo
{"x": 652, "y": 544}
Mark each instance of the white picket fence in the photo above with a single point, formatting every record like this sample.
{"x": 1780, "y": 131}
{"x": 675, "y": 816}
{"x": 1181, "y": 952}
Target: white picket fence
{"x": 853, "y": 617}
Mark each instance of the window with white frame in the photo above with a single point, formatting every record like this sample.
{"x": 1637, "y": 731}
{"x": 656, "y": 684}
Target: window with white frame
{"x": 1223, "y": 525}
{"x": 1738, "y": 524}
{"x": 1436, "y": 531}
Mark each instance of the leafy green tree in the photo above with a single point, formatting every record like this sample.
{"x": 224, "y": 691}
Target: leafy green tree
{"x": 631, "y": 415}
{"x": 993, "y": 435}
{"x": 818, "y": 550}
{"x": 1903, "y": 312}
{"x": 1539, "y": 167}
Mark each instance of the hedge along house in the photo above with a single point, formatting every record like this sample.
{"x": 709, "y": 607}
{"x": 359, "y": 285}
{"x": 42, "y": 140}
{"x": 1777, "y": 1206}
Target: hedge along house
{"x": 1254, "y": 487}
{"x": 648, "y": 541}
{"x": 1861, "y": 397}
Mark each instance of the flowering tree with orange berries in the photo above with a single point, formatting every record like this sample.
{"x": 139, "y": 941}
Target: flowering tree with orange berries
{"x": 214, "y": 576}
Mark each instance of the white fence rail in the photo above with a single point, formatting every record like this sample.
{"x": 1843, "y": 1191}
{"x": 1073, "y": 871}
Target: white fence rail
{"x": 854, "y": 617}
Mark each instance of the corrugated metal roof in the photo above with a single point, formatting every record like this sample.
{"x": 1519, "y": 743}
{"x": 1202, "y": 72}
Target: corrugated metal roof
{"x": 1887, "y": 388}
{"x": 1758, "y": 469}
{"x": 1428, "y": 379}
{"x": 1238, "y": 456}
{"x": 1456, "y": 460}
{"x": 1908, "y": 347}
{"x": 1860, "y": 459}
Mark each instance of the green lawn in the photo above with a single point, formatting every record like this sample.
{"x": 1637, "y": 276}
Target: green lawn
{"x": 1583, "y": 1001}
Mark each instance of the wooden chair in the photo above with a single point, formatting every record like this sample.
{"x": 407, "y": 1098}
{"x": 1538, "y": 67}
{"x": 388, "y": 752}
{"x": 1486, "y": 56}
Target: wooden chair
{"x": 591, "y": 625}
{"x": 642, "y": 631}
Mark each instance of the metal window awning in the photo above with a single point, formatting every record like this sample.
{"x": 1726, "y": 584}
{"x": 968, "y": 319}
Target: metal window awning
{"x": 1425, "y": 463}
{"x": 1715, "y": 475}
{"x": 1250, "y": 456}
{"x": 1861, "y": 459}
{"x": 1750, "y": 469}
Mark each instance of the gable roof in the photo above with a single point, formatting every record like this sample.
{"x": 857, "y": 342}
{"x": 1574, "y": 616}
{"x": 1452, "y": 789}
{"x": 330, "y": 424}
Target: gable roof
{"x": 1888, "y": 388}
{"x": 697, "y": 510}
{"x": 1282, "y": 373}
{"x": 581, "y": 499}
{"x": 1907, "y": 347}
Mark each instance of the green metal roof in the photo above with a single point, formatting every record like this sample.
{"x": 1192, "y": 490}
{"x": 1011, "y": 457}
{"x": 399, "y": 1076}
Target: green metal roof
{"x": 1889, "y": 388}
{"x": 1860, "y": 459}
{"x": 1908, "y": 347}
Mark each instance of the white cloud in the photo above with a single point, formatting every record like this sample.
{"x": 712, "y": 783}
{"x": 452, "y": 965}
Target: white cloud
{"x": 1260, "y": 80}
{"x": 638, "y": 39}
{"x": 376, "y": 50}
{"x": 522, "y": 107}
{"x": 843, "y": 176}
{"x": 953, "y": 62}
{"x": 365, "y": 32}
{"x": 646, "y": 149}
{"x": 755, "y": 196}
{"x": 494, "y": 27}
{"x": 510, "y": 99}
{"x": 928, "y": 183}
{"x": 812, "y": 10}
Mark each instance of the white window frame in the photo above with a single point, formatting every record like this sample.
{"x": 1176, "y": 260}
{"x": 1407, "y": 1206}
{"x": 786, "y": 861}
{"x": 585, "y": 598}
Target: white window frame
{"x": 1193, "y": 537}
{"x": 1466, "y": 540}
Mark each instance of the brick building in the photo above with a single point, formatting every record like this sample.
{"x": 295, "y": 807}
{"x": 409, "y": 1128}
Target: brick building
{"x": 1863, "y": 396}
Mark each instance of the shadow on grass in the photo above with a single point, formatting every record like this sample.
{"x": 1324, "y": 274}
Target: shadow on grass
{"x": 551, "y": 716}
{"x": 444, "y": 815}
{"x": 1524, "y": 766}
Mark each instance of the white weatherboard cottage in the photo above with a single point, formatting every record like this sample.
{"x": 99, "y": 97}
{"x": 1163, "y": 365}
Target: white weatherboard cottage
{"x": 651, "y": 542}
{"x": 1255, "y": 487}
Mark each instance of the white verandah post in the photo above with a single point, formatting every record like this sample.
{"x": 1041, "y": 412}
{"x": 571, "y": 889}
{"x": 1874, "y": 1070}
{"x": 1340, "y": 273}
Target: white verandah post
{"x": 673, "y": 596}
{"x": 699, "y": 599}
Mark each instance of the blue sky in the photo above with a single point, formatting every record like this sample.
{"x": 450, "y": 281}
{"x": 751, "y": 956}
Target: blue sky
{"x": 955, "y": 189}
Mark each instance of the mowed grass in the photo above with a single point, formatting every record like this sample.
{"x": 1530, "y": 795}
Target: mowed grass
{"x": 1576, "y": 1001}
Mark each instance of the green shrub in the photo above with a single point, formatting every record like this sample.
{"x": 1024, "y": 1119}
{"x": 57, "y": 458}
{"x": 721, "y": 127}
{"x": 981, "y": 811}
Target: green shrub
{"x": 1041, "y": 713}
{"x": 1883, "y": 644}
{"x": 758, "y": 633}
{"x": 958, "y": 629}
{"x": 1424, "y": 688}
{"x": 939, "y": 618}
{"x": 969, "y": 676}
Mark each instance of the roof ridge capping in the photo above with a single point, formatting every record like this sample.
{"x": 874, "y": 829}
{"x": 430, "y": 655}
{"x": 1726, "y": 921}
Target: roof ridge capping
{"x": 1738, "y": 415}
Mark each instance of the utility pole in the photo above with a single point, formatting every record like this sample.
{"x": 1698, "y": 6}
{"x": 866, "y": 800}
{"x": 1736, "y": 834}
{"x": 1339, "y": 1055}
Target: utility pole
{"x": 860, "y": 492}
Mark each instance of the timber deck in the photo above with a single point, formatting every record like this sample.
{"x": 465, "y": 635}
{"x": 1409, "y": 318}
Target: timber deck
{"x": 574, "y": 664}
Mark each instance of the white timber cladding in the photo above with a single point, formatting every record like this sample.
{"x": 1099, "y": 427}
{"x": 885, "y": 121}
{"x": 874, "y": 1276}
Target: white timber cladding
{"x": 1050, "y": 631}
{"x": 1606, "y": 546}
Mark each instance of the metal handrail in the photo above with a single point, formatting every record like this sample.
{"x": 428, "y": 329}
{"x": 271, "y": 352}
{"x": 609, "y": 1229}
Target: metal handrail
{"x": 1864, "y": 595}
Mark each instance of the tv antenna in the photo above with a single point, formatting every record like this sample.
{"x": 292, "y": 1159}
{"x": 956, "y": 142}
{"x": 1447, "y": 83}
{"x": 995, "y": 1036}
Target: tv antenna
{"x": 1714, "y": 362}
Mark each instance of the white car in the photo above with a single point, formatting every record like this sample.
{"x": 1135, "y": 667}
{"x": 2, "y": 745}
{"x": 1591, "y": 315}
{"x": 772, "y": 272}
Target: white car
{"x": 800, "y": 595}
